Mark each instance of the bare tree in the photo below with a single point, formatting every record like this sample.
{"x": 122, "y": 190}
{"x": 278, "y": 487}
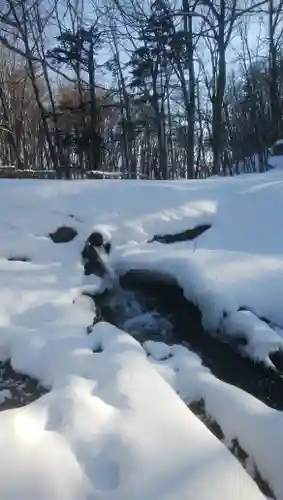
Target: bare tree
{"x": 275, "y": 12}
{"x": 221, "y": 18}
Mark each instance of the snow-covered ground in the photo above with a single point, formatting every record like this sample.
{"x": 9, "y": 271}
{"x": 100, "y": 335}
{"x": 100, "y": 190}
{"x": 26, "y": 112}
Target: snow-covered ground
{"x": 112, "y": 425}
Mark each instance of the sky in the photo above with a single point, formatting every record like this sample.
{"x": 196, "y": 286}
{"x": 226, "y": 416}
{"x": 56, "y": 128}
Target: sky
{"x": 233, "y": 55}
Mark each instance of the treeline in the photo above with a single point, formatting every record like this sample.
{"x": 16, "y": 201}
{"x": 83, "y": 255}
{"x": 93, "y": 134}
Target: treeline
{"x": 154, "y": 90}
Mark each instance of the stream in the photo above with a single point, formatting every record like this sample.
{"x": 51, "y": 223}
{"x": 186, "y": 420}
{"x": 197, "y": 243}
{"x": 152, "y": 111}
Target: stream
{"x": 149, "y": 307}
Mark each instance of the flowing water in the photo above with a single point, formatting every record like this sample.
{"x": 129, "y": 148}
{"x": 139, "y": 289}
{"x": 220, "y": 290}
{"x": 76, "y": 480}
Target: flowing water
{"x": 150, "y": 308}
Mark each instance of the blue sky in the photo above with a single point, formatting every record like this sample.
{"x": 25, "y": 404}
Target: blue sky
{"x": 235, "y": 48}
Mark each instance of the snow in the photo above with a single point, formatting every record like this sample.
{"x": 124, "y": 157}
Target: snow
{"x": 111, "y": 426}
{"x": 259, "y": 429}
{"x": 106, "y": 422}
{"x": 275, "y": 161}
{"x": 262, "y": 340}
{"x": 232, "y": 264}
{"x": 158, "y": 350}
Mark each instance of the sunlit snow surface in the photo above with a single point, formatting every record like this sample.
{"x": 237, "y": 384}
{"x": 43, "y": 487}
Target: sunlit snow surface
{"x": 111, "y": 426}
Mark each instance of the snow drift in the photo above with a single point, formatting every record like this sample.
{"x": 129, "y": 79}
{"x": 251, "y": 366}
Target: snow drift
{"x": 111, "y": 426}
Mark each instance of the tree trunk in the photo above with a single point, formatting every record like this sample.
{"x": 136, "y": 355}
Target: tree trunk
{"x": 191, "y": 107}
{"x": 217, "y": 104}
{"x": 273, "y": 77}
{"x": 95, "y": 151}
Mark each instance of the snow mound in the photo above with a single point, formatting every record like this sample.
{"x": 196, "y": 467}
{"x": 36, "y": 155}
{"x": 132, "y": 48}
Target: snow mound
{"x": 158, "y": 350}
{"x": 262, "y": 340}
{"x": 109, "y": 428}
{"x": 258, "y": 428}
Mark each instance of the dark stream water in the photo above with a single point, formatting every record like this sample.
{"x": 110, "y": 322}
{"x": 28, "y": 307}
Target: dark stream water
{"x": 148, "y": 307}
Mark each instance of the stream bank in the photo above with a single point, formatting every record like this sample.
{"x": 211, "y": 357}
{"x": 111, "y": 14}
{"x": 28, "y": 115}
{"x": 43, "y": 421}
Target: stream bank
{"x": 150, "y": 306}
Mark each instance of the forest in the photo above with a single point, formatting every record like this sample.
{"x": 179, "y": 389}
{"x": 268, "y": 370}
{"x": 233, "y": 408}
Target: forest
{"x": 159, "y": 89}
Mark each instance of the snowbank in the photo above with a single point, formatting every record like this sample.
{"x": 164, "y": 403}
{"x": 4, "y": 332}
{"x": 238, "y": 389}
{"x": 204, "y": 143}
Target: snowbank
{"x": 111, "y": 427}
{"x": 259, "y": 429}
{"x": 105, "y": 431}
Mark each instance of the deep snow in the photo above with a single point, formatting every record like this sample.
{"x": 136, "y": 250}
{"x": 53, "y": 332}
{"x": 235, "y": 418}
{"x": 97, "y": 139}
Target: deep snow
{"x": 258, "y": 429}
{"x": 114, "y": 429}
{"x": 111, "y": 427}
